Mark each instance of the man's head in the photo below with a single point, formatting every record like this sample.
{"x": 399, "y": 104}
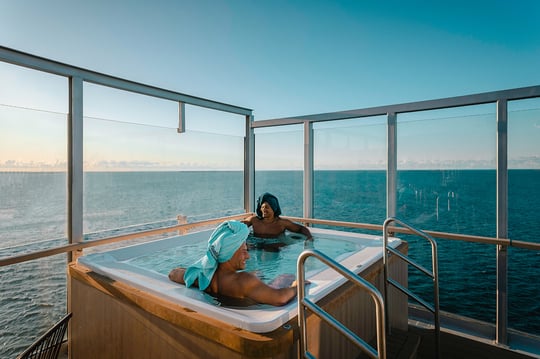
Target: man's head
{"x": 272, "y": 201}
{"x": 239, "y": 258}
{"x": 226, "y": 239}
{"x": 224, "y": 242}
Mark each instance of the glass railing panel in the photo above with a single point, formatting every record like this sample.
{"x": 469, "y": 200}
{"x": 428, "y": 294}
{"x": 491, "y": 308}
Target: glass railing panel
{"x": 524, "y": 214}
{"x": 142, "y": 173}
{"x": 447, "y": 183}
{"x": 33, "y": 215}
{"x": 32, "y": 299}
{"x": 32, "y": 179}
{"x": 350, "y": 170}
{"x": 279, "y": 164}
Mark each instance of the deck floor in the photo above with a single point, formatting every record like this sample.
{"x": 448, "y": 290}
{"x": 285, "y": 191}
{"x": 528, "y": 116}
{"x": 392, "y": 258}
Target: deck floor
{"x": 419, "y": 344}
{"x": 458, "y": 347}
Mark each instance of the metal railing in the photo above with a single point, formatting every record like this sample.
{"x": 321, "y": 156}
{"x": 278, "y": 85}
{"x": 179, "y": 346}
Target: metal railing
{"x": 48, "y": 345}
{"x": 433, "y": 274}
{"x": 78, "y": 247}
{"x": 392, "y": 112}
{"x": 78, "y": 76}
{"x": 304, "y": 302}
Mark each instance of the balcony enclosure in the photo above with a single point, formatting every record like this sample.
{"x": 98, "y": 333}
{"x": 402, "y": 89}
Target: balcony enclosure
{"x": 86, "y": 157}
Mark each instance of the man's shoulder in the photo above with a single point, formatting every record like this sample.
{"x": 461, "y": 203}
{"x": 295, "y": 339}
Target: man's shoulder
{"x": 245, "y": 275}
{"x": 246, "y": 279}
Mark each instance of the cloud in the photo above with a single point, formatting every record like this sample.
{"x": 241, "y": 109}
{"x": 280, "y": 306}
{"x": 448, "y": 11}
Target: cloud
{"x": 22, "y": 166}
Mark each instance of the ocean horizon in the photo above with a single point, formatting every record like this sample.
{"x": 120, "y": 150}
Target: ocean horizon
{"x": 33, "y": 215}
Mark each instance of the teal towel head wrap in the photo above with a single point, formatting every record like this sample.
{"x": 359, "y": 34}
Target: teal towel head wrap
{"x": 222, "y": 244}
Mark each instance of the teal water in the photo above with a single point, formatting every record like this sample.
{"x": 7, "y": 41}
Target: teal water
{"x": 268, "y": 263}
{"x": 33, "y": 215}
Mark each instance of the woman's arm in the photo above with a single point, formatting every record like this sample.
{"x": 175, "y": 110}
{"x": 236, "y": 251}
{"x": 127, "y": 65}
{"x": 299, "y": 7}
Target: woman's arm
{"x": 248, "y": 221}
{"x": 298, "y": 228}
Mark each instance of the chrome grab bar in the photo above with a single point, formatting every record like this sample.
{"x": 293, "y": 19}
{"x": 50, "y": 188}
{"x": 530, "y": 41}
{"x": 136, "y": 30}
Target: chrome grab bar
{"x": 305, "y": 303}
{"x": 434, "y": 274}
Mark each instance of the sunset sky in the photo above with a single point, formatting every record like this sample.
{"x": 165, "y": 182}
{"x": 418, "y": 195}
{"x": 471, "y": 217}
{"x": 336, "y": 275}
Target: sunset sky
{"x": 279, "y": 58}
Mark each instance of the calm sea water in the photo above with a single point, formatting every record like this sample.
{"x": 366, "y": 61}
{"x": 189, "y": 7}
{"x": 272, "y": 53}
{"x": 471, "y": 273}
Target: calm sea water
{"x": 33, "y": 215}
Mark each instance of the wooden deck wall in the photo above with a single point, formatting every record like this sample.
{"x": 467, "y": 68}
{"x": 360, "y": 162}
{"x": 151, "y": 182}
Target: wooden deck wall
{"x": 113, "y": 320}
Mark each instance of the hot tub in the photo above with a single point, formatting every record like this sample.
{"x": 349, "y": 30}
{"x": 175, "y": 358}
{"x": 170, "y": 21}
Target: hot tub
{"x": 123, "y": 281}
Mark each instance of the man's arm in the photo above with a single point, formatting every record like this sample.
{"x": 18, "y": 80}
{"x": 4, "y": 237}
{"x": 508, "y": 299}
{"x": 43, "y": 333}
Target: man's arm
{"x": 260, "y": 292}
{"x": 177, "y": 275}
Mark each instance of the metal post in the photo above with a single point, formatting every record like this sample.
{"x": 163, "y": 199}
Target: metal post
{"x": 391, "y": 170}
{"x": 249, "y": 166}
{"x": 308, "y": 169}
{"x": 502, "y": 221}
{"x": 181, "y": 117}
{"x": 75, "y": 162}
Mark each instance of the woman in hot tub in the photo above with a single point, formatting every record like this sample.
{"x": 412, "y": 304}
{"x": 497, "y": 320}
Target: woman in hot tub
{"x": 219, "y": 271}
{"x": 268, "y": 223}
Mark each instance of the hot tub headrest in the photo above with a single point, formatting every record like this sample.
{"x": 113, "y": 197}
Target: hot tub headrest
{"x": 271, "y": 200}
{"x": 222, "y": 244}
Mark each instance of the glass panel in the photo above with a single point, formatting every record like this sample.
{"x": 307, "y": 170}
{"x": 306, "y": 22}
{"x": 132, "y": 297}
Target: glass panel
{"x": 279, "y": 164}
{"x": 447, "y": 183}
{"x": 141, "y": 173}
{"x": 524, "y": 213}
{"x": 34, "y": 301}
{"x": 350, "y": 170}
{"x": 33, "y": 215}
{"x": 33, "y": 161}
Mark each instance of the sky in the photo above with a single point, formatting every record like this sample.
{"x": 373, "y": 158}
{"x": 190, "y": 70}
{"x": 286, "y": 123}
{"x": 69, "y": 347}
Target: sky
{"x": 279, "y": 58}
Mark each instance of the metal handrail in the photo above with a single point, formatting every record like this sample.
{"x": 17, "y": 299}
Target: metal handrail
{"x": 304, "y": 302}
{"x": 434, "y": 274}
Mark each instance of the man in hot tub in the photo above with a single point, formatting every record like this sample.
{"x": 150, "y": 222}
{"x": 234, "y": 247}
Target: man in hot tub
{"x": 218, "y": 271}
{"x": 268, "y": 223}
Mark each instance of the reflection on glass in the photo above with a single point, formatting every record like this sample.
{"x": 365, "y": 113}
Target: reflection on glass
{"x": 446, "y": 169}
{"x": 32, "y": 179}
{"x": 279, "y": 157}
{"x": 446, "y": 182}
{"x": 33, "y": 210}
{"x": 350, "y": 176}
{"x": 140, "y": 174}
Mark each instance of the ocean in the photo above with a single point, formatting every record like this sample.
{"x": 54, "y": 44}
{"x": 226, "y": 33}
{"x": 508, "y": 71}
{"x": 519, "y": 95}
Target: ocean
{"x": 33, "y": 215}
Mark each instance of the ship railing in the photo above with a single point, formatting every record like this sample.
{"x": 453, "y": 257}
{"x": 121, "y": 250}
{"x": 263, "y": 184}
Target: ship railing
{"x": 185, "y": 227}
{"x": 305, "y": 303}
{"x": 433, "y": 274}
{"x": 76, "y": 249}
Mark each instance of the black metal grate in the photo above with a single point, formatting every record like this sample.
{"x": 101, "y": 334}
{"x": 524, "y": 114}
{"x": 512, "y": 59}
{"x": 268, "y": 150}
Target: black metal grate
{"x": 48, "y": 345}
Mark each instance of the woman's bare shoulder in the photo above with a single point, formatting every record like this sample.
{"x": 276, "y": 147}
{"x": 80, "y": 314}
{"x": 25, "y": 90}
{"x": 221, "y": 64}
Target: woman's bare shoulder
{"x": 249, "y": 220}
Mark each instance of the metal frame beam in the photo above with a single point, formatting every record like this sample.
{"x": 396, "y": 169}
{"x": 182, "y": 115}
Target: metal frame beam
{"x": 75, "y": 161}
{"x": 502, "y": 221}
{"x": 59, "y": 68}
